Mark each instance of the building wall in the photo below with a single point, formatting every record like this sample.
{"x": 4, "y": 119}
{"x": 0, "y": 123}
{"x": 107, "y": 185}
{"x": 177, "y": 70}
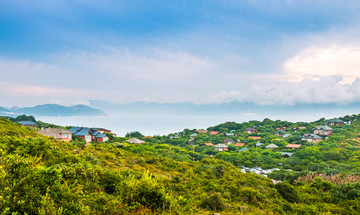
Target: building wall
{"x": 66, "y": 137}
{"x": 30, "y": 126}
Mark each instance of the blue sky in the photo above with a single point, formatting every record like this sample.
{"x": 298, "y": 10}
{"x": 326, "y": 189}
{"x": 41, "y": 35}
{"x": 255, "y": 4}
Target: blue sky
{"x": 267, "y": 52}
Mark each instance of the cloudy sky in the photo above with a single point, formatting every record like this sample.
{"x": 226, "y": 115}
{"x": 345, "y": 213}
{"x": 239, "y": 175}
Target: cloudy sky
{"x": 267, "y": 52}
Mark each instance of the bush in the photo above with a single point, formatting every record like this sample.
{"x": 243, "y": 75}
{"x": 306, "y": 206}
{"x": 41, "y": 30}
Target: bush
{"x": 213, "y": 202}
{"x": 146, "y": 191}
{"x": 287, "y": 191}
{"x": 346, "y": 192}
{"x": 322, "y": 185}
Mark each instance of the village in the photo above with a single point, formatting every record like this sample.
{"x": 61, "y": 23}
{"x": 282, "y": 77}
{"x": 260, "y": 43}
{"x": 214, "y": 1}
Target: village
{"x": 232, "y": 138}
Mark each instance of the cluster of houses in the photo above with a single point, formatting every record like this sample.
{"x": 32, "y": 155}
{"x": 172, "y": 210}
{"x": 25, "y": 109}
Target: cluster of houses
{"x": 319, "y": 133}
{"x": 322, "y": 131}
{"x": 90, "y": 135}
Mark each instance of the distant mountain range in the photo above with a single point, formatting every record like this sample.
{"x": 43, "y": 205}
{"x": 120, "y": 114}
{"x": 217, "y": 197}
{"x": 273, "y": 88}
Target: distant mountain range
{"x": 230, "y": 108}
{"x": 52, "y": 110}
{"x": 97, "y": 108}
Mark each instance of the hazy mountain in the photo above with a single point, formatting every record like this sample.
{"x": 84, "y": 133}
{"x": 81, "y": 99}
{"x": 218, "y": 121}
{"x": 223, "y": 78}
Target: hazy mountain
{"x": 3, "y": 110}
{"x": 230, "y": 108}
{"x": 58, "y": 110}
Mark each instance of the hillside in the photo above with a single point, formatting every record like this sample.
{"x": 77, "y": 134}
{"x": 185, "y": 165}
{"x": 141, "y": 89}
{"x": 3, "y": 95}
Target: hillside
{"x": 40, "y": 175}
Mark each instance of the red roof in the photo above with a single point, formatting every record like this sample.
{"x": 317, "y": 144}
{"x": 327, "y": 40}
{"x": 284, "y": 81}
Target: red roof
{"x": 255, "y": 138}
{"x": 214, "y": 132}
{"x": 239, "y": 144}
{"x": 208, "y": 144}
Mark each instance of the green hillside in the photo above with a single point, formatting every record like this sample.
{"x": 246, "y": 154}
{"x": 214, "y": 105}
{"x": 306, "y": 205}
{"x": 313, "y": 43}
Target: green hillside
{"x": 40, "y": 175}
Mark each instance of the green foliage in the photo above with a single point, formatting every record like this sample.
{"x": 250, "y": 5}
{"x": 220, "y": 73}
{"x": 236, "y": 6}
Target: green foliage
{"x": 212, "y": 202}
{"x": 346, "y": 192}
{"x": 146, "y": 191}
{"x": 24, "y": 118}
{"x": 134, "y": 134}
{"x": 287, "y": 191}
{"x": 322, "y": 185}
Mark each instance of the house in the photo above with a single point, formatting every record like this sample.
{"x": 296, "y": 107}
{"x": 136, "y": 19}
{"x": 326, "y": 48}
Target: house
{"x": 81, "y": 132}
{"x": 102, "y": 130}
{"x": 254, "y": 137}
{"x": 271, "y": 146}
{"x": 293, "y": 146}
{"x": 299, "y": 128}
{"x": 208, "y": 144}
{"x": 202, "y": 131}
{"x": 89, "y": 134}
{"x": 258, "y": 144}
{"x": 279, "y": 132}
{"x": 286, "y": 135}
{"x": 286, "y": 154}
{"x": 99, "y": 137}
{"x": 221, "y": 147}
{"x": 193, "y": 135}
{"x": 229, "y": 134}
{"x": 323, "y": 130}
{"x": 250, "y": 130}
{"x": 28, "y": 124}
{"x": 311, "y": 138}
{"x": 57, "y": 133}
{"x": 229, "y": 141}
{"x": 135, "y": 141}
{"x": 214, "y": 132}
{"x": 239, "y": 144}
{"x": 192, "y": 141}
{"x": 334, "y": 122}
{"x": 243, "y": 149}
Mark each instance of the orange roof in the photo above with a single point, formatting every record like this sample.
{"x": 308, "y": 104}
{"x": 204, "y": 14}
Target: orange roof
{"x": 208, "y": 144}
{"x": 239, "y": 144}
{"x": 214, "y": 132}
{"x": 255, "y": 138}
{"x": 296, "y": 146}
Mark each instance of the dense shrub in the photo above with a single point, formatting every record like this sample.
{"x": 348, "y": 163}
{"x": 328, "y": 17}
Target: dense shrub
{"x": 287, "y": 191}
{"x": 212, "y": 202}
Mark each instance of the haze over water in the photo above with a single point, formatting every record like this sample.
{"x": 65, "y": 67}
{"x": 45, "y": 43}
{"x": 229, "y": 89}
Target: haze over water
{"x": 163, "y": 125}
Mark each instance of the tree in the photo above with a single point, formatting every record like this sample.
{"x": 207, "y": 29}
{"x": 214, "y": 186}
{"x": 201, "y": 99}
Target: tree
{"x": 25, "y": 118}
{"x": 134, "y": 134}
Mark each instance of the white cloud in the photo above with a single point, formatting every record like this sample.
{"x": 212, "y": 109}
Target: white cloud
{"x": 116, "y": 75}
{"x": 157, "y": 66}
{"x": 316, "y": 62}
{"x": 324, "y": 90}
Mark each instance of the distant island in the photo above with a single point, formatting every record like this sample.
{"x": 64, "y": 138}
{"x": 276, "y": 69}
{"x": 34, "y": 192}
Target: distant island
{"x": 53, "y": 110}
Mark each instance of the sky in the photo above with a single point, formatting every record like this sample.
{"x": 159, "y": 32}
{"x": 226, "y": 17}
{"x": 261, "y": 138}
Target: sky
{"x": 283, "y": 52}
